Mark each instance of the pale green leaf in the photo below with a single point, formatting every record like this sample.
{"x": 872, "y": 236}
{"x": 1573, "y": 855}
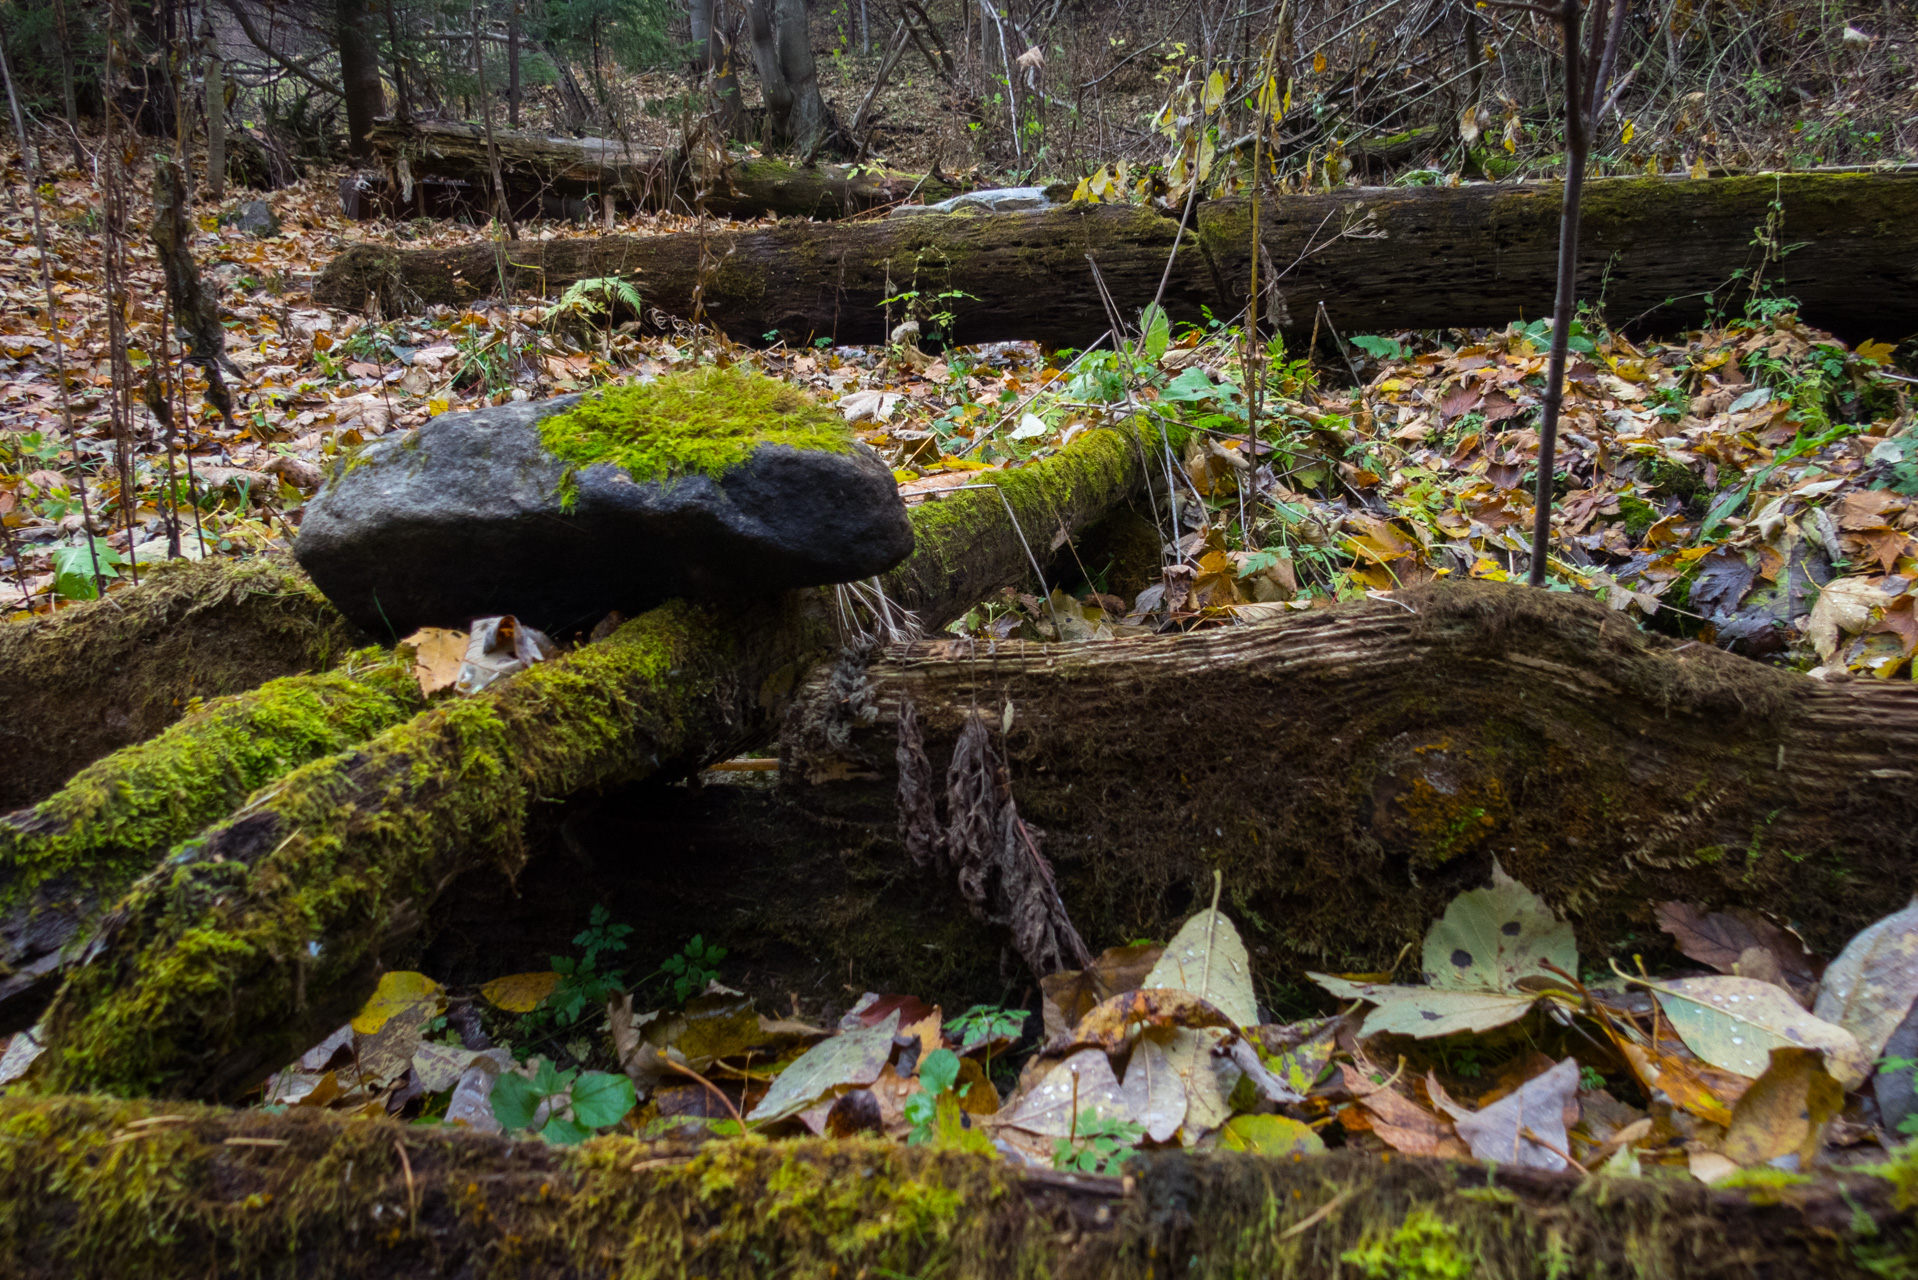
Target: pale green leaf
{"x": 857, "y": 1057}
{"x": 1489, "y": 939}
{"x": 1735, "y": 1023}
{"x": 1207, "y": 957}
{"x": 1425, "y": 1012}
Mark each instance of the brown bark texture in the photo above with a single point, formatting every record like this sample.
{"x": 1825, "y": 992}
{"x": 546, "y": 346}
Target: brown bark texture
{"x": 99, "y": 676}
{"x": 543, "y": 171}
{"x": 1351, "y": 770}
{"x": 1378, "y": 258}
{"x": 92, "y": 1188}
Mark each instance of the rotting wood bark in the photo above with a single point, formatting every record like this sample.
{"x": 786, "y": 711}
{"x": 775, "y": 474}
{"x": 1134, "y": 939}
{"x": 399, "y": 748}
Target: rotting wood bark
{"x": 249, "y": 945}
{"x": 67, "y": 858}
{"x": 1349, "y": 771}
{"x": 1379, "y": 258}
{"x": 543, "y": 171}
{"x": 1352, "y": 770}
{"x": 318, "y": 1196}
{"x": 96, "y": 677}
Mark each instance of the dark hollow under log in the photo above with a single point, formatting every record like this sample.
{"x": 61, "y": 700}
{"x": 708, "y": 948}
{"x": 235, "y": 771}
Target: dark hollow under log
{"x": 91, "y": 1188}
{"x": 96, "y": 677}
{"x": 544, "y": 173}
{"x": 1378, "y": 258}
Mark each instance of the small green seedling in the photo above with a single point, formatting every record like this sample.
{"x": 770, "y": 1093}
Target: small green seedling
{"x": 576, "y": 1106}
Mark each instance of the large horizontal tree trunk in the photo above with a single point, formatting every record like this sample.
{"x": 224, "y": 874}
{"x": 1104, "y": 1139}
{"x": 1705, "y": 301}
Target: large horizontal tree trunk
{"x": 539, "y": 169}
{"x": 95, "y": 677}
{"x": 1378, "y": 258}
{"x": 96, "y": 1189}
{"x": 248, "y": 945}
{"x": 1352, "y": 770}
{"x": 1348, "y": 770}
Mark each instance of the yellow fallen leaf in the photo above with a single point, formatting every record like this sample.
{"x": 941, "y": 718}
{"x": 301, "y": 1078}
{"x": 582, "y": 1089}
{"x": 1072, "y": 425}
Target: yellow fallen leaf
{"x": 401, "y": 992}
{"x": 520, "y": 992}
{"x": 1876, "y": 352}
{"x": 437, "y": 654}
{"x": 437, "y": 407}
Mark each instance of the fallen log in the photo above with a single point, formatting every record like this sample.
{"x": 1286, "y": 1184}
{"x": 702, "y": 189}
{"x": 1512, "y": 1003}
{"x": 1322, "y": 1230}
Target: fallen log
{"x": 247, "y": 945}
{"x": 1350, "y": 771}
{"x": 558, "y": 175}
{"x": 1378, "y": 258}
{"x": 96, "y": 677}
{"x": 65, "y": 859}
{"x": 95, "y": 1188}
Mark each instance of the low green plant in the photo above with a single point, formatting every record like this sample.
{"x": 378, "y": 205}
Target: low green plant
{"x": 938, "y": 1072}
{"x": 582, "y": 983}
{"x": 73, "y": 569}
{"x": 696, "y": 965}
{"x": 1098, "y": 1144}
{"x": 576, "y": 1106}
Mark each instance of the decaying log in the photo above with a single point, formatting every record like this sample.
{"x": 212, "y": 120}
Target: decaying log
{"x": 247, "y": 945}
{"x": 93, "y": 1188}
{"x": 1351, "y": 770}
{"x": 1378, "y": 258}
{"x": 95, "y": 677}
{"x": 1348, "y": 770}
{"x": 542, "y": 173}
{"x": 67, "y": 858}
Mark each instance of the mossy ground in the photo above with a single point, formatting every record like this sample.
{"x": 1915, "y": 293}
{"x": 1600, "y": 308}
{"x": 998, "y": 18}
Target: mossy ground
{"x": 90, "y": 1188}
{"x": 703, "y": 421}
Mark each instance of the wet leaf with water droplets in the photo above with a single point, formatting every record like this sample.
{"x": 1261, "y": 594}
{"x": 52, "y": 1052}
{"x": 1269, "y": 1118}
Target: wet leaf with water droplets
{"x": 1207, "y": 958}
{"x": 1735, "y": 1023}
{"x": 1869, "y": 988}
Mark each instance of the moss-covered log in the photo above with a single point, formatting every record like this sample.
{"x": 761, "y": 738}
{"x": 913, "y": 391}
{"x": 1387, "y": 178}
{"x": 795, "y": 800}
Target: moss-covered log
{"x": 1378, "y": 258}
{"x": 65, "y": 859}
{"x": 97, "y": 1189}
{"x": 1351, "y": 770}
{"x": 542, "y": 173}
{"x": 247, "y": 945}
{"x": 95, "y": 677}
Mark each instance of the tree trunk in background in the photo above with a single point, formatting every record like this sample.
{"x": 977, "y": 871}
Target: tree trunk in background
{"x": 512, "y": 63}
{"x": 359, "y": 73}
{"x": 782, "y": 53}
{"x": 1420, "y": 258}
{"x": 713, "y": 56}
{"x": 215, "y": 119}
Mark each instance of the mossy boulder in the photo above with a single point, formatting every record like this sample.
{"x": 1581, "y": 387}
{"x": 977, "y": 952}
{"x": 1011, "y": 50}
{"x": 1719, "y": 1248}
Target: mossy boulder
{"x": 707, "y": 484}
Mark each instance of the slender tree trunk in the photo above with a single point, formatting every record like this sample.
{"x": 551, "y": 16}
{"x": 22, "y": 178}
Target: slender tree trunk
{"x": 359, "y": 73}
{"x": 713, "y": 56}
{"x": 67, "y": 93}
{"x": 215, "y": 117}
{"x": 782, "y": 53}
{"x": 512, "y": 63}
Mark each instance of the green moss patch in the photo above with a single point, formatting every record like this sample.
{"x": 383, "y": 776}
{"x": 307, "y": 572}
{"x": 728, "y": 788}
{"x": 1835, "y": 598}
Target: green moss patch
{"x": 700, "y": 422}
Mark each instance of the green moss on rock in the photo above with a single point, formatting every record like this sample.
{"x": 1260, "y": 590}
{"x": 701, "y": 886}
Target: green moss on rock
{"x": 700, "y": 422}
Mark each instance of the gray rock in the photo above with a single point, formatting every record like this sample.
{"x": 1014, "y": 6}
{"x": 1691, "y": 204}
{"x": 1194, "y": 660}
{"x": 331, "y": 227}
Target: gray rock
{"x": 998, "y": 200}
{"x": 256, "y": 217}
{"x": 462, "y": 519}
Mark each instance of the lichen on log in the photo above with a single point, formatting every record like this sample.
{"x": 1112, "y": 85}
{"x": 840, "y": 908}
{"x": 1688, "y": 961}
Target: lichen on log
{"x": 95, "y": 1188}
{"x": 65, "y": 859}
{"x": 247, "y": 946}
{"x": 1378, "y": 258}
{"x": 96, "y": 677}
